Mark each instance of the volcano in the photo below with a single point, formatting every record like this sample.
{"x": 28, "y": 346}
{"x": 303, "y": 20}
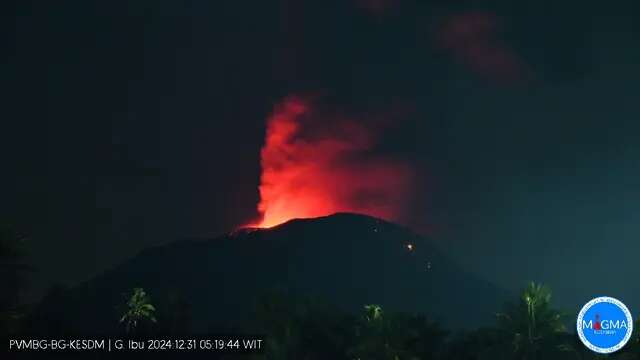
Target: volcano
{"x": 348, "y": 260}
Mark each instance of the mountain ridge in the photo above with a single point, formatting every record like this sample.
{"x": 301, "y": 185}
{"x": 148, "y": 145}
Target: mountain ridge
{"x": 345, "y": 259}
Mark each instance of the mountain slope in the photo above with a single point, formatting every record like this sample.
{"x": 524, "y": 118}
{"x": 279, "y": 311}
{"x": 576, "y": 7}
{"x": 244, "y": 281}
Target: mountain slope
{"x": 346, "y": 259}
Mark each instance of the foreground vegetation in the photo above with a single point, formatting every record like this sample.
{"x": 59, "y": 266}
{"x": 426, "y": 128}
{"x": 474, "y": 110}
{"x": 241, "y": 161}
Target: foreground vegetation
{"x": 529, "y": 328}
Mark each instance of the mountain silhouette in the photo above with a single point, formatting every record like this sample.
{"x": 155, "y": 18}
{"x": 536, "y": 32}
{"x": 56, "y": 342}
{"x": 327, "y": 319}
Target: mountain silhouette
{"x": 348, "y": 260}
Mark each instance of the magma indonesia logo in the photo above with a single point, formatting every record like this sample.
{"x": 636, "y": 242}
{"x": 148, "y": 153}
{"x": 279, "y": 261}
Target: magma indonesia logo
{"x": 605, "y": 325}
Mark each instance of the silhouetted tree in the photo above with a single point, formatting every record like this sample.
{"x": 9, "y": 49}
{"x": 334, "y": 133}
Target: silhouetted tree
{"x": 370, "y": 337}
{"x": 380, "y": 336}
{"x": 12, "y": 277}
{"x": 276, "y": 316}
{"x": 481, "y": 344}
{"x": 137, "y": 309}
{"x": 175, "y": 314}
{"x": 532, "y": 326}
{"x": 46, "y": 318}
{"x": 373, "y": 313}
{"x": 301, "y": 328}
{"x": 632, "y": 350}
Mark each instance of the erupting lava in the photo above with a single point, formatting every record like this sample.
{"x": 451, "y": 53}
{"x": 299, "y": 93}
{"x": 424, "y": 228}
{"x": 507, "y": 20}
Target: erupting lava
{"x": 315, "y": 165}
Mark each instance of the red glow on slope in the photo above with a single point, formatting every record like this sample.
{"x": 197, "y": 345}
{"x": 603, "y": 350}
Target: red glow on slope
{"x": 313, "y": 166}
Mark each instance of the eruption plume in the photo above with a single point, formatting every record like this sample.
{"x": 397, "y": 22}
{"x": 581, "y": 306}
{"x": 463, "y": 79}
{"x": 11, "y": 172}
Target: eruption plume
{"x": 316, "y": 164}
{"x": 473, "y": 38}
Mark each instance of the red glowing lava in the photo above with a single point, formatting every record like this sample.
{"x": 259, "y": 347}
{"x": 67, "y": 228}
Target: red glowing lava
{"x": 315, "y": 164}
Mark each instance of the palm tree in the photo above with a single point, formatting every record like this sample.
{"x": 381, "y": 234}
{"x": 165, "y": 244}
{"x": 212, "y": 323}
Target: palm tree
{"x": 532, "y": 324}
{"x": 373, "y": 312}
{"x": 138, "y": 309}
{"x": 371, "y": 340}
{"x": 395, "y": 336}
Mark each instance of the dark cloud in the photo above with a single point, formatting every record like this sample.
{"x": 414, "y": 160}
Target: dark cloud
{"x": 474, "y": 40}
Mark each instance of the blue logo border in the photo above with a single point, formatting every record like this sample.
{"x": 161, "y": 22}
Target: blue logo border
{"x": 622, "y": 307}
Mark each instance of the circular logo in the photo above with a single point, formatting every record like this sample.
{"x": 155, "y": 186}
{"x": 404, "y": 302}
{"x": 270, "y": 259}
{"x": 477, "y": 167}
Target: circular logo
{"x": 605, "y": 325}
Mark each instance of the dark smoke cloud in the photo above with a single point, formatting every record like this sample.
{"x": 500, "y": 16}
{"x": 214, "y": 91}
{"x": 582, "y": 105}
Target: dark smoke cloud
{"x": 474, "y": 39}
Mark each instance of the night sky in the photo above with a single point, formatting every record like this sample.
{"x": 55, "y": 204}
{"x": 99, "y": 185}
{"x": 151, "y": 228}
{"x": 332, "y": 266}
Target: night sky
{"x": 131, "y": 124}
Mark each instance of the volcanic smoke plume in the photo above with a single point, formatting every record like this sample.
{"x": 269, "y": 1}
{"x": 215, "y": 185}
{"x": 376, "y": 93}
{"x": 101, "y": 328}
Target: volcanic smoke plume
{"x": 473, "y": 38}
{"x": 316, "y": 164}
